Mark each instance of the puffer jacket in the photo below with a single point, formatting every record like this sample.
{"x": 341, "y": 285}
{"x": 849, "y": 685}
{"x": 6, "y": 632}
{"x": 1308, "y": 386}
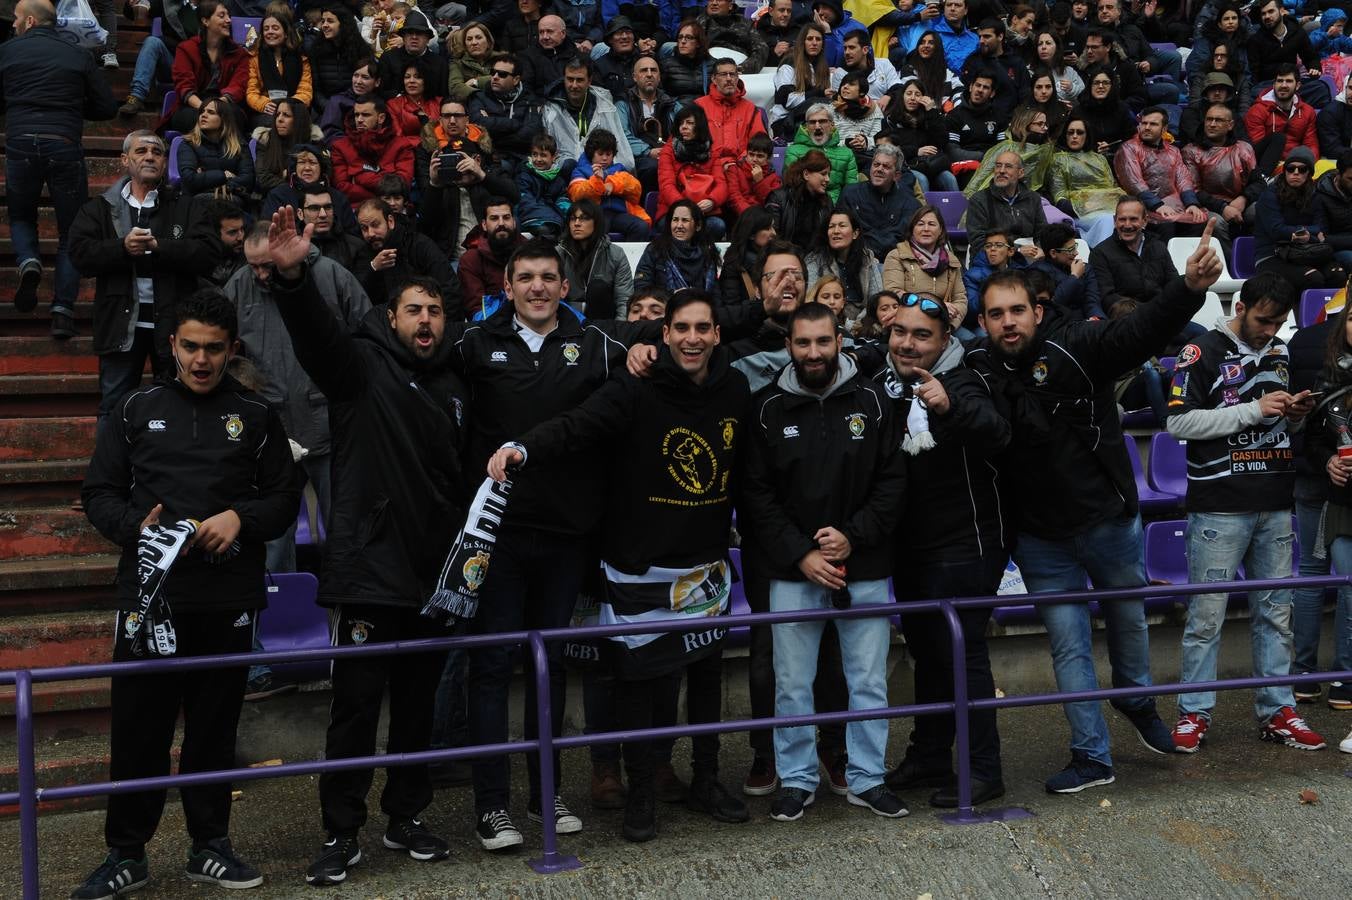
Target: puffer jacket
{"x": 684, "y": 78}
{"x": 1334, "y": 127}
{"x": 902, "y": 273}
{"x": 677, "y": 180}
{"x": 844, "y": 168}
{"x": 732, "y": 120}
{"x": 202, "y": 168}
{"x": 1320, "y": 40}
{"x": 544, "y": 198}
{"x": 1265, "y": 118}
{"x": 511, "y": 120}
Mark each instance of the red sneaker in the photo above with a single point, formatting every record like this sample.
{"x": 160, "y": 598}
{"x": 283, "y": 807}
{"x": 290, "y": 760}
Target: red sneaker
{"x": 1190, "y": 732}
{"x": 1290, "y": 729}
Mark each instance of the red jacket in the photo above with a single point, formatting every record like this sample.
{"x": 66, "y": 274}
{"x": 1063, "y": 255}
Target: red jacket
{"x": 481, "y": 273}
{"x": 689, "y": 181}
{"x": 743, "y": 193}
{"x": 403, "y": 114}
{"x": 191, "y": 72}
{"x": 1264, "y": 118}
{"x": 732, "y": 120}
{"x": 361, "y": 157}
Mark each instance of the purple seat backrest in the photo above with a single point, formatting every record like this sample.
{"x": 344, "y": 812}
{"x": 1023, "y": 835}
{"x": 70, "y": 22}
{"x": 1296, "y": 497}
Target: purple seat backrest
{"x": 304, "y": 536}
{"x": 777, "y": 160}
{"x": 168, "y": 103}
{"x": 173, "y": 159}
{"x": 1165, "y": 559}
{"x": 1134, "y": 454}
{"x": 1243, "y": 251}
{"x": 1168, "y": 471}
{"x": 157, "y": 27}
{"x": 239, "y": 28}
{"x": 1055, "y": 216}
{"x": 1312, "y": 304}
{"x": 292, "y": 621}
{"x": 951, "y": 205}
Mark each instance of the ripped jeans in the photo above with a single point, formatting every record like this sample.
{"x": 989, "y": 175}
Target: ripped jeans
{"x": 1218, "y": 543}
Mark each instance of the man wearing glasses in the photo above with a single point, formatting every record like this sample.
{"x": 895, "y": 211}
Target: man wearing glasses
{"x": 1098, "y": 50}
{"x": 1006, "y": 206}
{"x": 457, "y": 178}
{"x": 507, "y": 111}
{"x": 1222, "y": 167}
{"x": 1077, "y": 288}
{"x": 317, "y": 209}
{"x": 732, "y": 117}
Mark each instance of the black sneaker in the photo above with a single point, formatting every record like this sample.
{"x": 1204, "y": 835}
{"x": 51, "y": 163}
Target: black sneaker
{"x": 63, "y": 326}
{"x": 1150, "y": 729}
{"x": 340, "y": 854}
{"x": 413, "y": 836}
{"x": 640, "y": 814}
{"x": 914, "y": 774}
{"x": 564, "y": 820}
{"x": 264, "y": 686}
{"x": 30, "y": 275}
{"x": 789, "y": 805}
{"x": 215, "y": 862}
{"x": 1082, "y": 773}
{"x": 1340, "y": 696}
{"x": 882, "y": 801}
{"x": 113, "y": 878}
{"x": 496, "y": 831}
{"x": 1308, "y": 691}
{"x": 982, "y": 792}
{"x": 712, "y": 799}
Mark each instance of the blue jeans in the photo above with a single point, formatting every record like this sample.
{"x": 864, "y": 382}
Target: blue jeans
{"x": 1307, "y": 604}
{"x": 943, "y": 181}
{"x": 1217, "y": 544}
{"x": 281, "y": 553}
{"x": 863, "y": 650}
{"x": 1112, "y": 555}
{"x": 153, "y": 62}
{"x": 1341, "y": 552}
{"x": 31, "y": 162}
{"x": 1344, "y": 259}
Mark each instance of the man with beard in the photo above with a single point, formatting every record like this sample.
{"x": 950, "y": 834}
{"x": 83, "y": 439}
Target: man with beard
{"x": 675, "y": 436}
{"x": 226, "y": 221}
{"x": 574, "y": 109}
{"x": 507, "y": 111}
{"x": 732, "y": 117}
{"x": 1281, "y": 39}
{"x": 543, "y": 61}
{"x": 1151, "y": 169}
{"x": 483, "y": 265}
{"x": 1008, "y": 71}
{"x": 976, "y": 124}
{"x": 1079, "y": 518}
{"x": 1006, "y": 206}
{"x": 451, "y": 195}
{"x": 858, "y": 57}
{"x": 1335, "y": 188}
{"x": 234, "y": 473}
{"x": 956, "y": 544}
{"x": 369, "y": 149}
{"x": 646, "y": 112}
{"x": 823, "y": 485}
{"x": 397, "y": 502}
{"x": 1279, "y": 121}
{"x": 318, "y": 209}
{"x": 398, "y": 255}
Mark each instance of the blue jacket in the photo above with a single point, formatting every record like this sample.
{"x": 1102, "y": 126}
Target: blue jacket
{"x": 976, "y": 274}
{"x": 957, "y": 47}
{"x": 1320, "y": 39}
{"x": 542, "y": 200}
{"x": 1275, "y": 223}
{"x": 835, "y": 41}
{"x": 582, "y": 18}
{"x": 1080, "y": 296}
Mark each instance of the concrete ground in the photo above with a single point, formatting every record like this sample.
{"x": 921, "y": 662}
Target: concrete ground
{"x": 1228, "y": 822}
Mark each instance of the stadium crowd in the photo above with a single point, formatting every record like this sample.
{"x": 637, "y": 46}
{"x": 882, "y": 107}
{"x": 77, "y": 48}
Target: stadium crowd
{"x": 389, "y": 249}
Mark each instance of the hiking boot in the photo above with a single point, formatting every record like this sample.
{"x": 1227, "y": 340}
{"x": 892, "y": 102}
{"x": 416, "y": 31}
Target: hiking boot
{"x": 708, "y": 796}
{"x": 113, "y": 878}
{"x": 339, "y": 855}
{"x": 215, "y": 862}
{"x": 132, "y": 108}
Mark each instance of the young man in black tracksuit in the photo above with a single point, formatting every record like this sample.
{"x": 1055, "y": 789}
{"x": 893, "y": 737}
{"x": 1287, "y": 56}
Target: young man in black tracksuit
{"x": 198, "y": 446}
{"x": 823, "y": 484}
{"x": 1071, "y": 485}
{"x": 953, "y": 540}
{"x": 672, "y": 439}
{"x": 395, "y": 418}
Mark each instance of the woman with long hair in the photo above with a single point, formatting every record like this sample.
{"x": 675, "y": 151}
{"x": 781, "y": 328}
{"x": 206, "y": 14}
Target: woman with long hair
{"x": 802, "y": 206}
{"x": 687, "y": 169}
{"x": 213, "y": 157}
{"x": 840, "y": 252}
{"x": 681, "y": 256}
{"x": 926, "y": 63}
{"x": 754, "y": 229}
{"x": 1328, "y": 437}
{"x": 1081, "y": 183}
{"x": 1043, "y": 97}
{"x": 917, "y": 125}
{"x": 879, "y": 312}
{"x": 291, "y": 125}
{"x": 924, "y": 263}
{"x": 1111, "y": 120}
{"x": 279, "y": 70}
{"x": 599, "y": 281}
{"x": 208, "y": 64}
{"x": 471, "y": 47}
{"x": 802, "y": 82}
{"x": 1028, "y": 138}
{"x": 1221, "y": 46}
{"x": 334, "y": 53}
{"x": 417, "y": 104}
{"x": 686, "y": 73}
{"x": 1049, "y": 51}
{"x": 857, "y": 118}
{"x": 1289, "y": 228}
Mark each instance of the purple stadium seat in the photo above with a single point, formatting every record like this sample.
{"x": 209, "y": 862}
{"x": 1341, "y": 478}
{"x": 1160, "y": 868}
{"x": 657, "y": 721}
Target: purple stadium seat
{"x": 292, "y": 621}
{"x": 777, "y": 159}
{"x": 173, "y": 160}
{"x": 650, "y": 205}
{"x": 304, "y": 536}
{"x": 1168, "y": 467}
{"x": 1151, "y": 499}
{"x": 1243, "y": 257}
{"x": 239, "y": 28}
{"x": 1162, "y": 46}
{"x": 1165, "y": 557}
{"x": 1312, "y": 305}
{"x": 168, "y": 103}
{"x": 157, "y": 27}
{"x": 952, "y": 205}
{"x": 741, "y": 635}
{"x": 1055, "y": 216}
{"x": 253, "y": 149}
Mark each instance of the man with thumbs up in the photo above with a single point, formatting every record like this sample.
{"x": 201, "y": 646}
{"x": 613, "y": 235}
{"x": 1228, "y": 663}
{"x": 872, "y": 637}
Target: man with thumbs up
{"x": 1072, "y": 486}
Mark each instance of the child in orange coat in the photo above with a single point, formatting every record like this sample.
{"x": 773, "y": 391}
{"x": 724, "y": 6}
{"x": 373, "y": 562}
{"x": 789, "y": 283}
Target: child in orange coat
{"x": 600, "y": 178}
{"x": 751, "y": 178}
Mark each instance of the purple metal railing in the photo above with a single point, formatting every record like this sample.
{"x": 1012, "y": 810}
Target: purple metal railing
{"x": 29, "y": 795}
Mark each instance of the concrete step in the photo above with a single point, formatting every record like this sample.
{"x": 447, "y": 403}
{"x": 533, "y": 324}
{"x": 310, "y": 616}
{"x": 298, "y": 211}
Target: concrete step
{"x": 44, "y": 356}
{"x": 10, "y": 318}
{"x": 94, "y": 144}
{"x": 38, "y": 323}
{"x": 57, "y": 583}
{"x": 49, "y": 395}
{"x": 63, "y": 758}
{"x": 62, "y": 709}
{"x": 49, "y": 482}
{"x": 104, "y": 171}
{"x": 58, "y": 437}
{"x": 36, "y": 532}
{"x": 66, "y": 639}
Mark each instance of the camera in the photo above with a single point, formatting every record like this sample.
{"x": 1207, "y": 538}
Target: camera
{"x": 450, "y": 159}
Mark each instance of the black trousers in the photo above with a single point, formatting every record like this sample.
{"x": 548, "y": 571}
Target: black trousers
{"x": 653, "y": 703}
{"x": 354, "y": 714}
{"x": 145, "y": 712}
{"x": 927, "y": 639}
{"x": 828, "y": 690}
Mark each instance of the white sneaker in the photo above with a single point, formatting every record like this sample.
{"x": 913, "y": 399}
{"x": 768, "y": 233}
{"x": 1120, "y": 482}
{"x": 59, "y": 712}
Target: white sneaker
{"x": 110, "y": 60}
{"x": 1346, "y": 745}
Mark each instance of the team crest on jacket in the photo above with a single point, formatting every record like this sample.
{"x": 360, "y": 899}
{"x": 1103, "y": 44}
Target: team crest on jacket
{"x": 855, "y": 423}
{"x": 234, "y": 426}
{"x": 474, "y": 570}
{"x": 1040, "y": 371}
{"x": 131, "y": 624}
{"x": 729, "y": 427}
{"x": 360, "y": 631}
{"x": 1187, "y": 356}
{"x": 571, "y": 353}
{"x": 690, "y": 460}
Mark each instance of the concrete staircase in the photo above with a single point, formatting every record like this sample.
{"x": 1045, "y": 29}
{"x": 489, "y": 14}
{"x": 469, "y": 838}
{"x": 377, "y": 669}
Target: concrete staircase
{"x": 55, "y": 569}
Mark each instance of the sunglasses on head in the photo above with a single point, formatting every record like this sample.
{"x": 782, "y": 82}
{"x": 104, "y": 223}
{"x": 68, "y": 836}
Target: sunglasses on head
{"x": 932, "y": 308}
